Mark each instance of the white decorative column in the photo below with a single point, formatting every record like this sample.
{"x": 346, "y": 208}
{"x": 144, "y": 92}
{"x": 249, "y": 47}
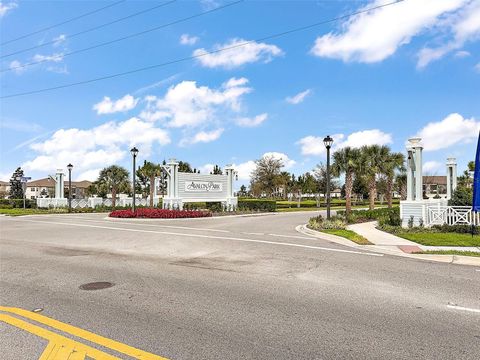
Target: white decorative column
{"x": 171, "y": 201}
{"x": 59, "y": 184}
{"x": 417, "y": 147}
{"x": 232, "y": 201}
{"x": 410, "y": 174}
{"x": 451, "y": 176}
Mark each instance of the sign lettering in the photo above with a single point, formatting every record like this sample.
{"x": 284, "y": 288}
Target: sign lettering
{"x": 203, "y": 186}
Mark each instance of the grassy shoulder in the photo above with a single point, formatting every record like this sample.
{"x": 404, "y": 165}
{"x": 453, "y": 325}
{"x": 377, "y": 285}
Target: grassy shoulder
{"x": 450, "y": 252}
{"x": 348, "y": 234}
{"x": 442, "y": 239}
{"x": 20, "y": 212}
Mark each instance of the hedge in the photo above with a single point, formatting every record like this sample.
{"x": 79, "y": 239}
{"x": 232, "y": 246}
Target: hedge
{"x": 257, "y": 205}
{"x": 389, "y": 216}
{"x": 17, "y": 203}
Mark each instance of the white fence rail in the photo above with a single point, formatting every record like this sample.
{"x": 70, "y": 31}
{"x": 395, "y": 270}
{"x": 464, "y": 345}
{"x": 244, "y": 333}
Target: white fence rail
{"x": 91, "y": 202}
{"x": 451, "y": 215}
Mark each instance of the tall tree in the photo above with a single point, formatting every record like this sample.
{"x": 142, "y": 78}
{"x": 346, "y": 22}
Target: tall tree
{"x": 266, "y": 173}
{"x": 16, "y": 188}
{"x": 401, "y": 184}
{"x": 346, "y": 161}
{"x": 320, "y": 173}
{"x": 217, "y": 170}
{"x": 150, "y": 171}
{"x": 284, "y": 181}
{"x": 373, "y": 158}
{"x": 184, "y": 166}
{"x": 115, "y": 179}
{"x": 393, "y": 163}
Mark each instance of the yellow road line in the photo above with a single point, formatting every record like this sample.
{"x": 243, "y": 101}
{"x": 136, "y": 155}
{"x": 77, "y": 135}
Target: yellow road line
{"x": 84, "y": 334}
{"x": 61, "y": 344}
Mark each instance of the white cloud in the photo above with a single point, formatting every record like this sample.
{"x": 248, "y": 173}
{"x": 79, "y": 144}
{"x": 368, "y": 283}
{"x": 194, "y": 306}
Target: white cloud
{"x": 90, "y": 175}
{"x": 57, "y": 57}
{"x": 237, "y": 54}
{"x": 203, "y": 137}
{"x": 206, "y": 169}
{"x": 452, "y": 130}
{"x": 462, "y": 54}
{"x": 107, "y": 106}
{"x": 245, "y": 169}
{"x": 431, "y": 167}
{"x": 97, "y": 147}
{"x": 464, "y": 26}
{"x": 16, "y": 67}
{"x": 297, "y": 99}
{"x": 251, "y": 122}
{"x": 59, "y": 39}
{"x": 312, "y": 145}
{"x": 6, "y": 7}
{"x": 477, "y": 67}
{"x": 189, "y": 105}
{"x": 375, "y": 35}
{"x": 186, "y": 39}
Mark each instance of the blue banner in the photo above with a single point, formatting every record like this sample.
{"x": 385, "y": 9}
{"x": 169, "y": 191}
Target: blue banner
{"x": 476, "y": 180}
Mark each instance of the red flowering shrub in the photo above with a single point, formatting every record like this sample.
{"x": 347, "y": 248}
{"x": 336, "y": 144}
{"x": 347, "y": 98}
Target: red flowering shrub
{"x": 159, "y": 213}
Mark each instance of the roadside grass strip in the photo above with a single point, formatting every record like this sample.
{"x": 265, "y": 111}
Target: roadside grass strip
{"x": 62, "y": 348}
{"x": 449, "y": 252}
{"x": 348, "y": 234}
{"x": 442, "y": 239}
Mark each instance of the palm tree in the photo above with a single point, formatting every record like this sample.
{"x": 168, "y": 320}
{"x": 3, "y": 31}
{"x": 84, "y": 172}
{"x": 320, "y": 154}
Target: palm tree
{"x": 150, "y": 171}
{"x": 115, "y": 178}
{"x": 393, "y": 163}
{"x": 401, "y": 184}
{"x": 284, "y": 181}
{"x": 346, "y": 161}
{"x": 373, "y": 158}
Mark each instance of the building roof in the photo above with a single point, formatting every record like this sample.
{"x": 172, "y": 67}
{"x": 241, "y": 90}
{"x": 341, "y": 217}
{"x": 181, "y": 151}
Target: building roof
{"x": 49, "y": 182}
{"x": 438, "y": 180}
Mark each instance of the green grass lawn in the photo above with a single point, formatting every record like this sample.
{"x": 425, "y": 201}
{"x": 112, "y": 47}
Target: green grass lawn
{"x": 348, "y": 234}
{"x": 442, "y": 239}
{"x": 20, "y": 211}
{"x": 450, "y": 252}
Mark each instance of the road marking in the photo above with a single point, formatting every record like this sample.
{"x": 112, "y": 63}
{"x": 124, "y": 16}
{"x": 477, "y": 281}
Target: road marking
{"x": 56, "y": 342}
{"x": 207, "y": 237}
{"x": 292, "y": 236}
{"x": 252, "y": 233}
{"x": 455, "y": 307}
{"x": 145, "y": 224}
{"x": 72, "y": 330}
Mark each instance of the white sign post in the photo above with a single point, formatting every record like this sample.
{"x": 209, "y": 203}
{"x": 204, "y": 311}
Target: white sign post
{"x": 185, "y": 188}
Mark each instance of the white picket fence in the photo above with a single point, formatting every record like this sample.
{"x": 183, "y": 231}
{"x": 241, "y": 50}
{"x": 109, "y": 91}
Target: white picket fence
{"x": 451, "y": 215}
{"x": 91, "y": 202}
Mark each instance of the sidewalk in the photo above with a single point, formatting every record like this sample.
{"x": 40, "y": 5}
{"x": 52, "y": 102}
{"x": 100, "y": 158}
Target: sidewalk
{"x": 389, "y": 244}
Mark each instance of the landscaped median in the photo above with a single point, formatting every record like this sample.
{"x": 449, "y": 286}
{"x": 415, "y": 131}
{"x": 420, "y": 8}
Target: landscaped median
{"x": 337, "y": 227}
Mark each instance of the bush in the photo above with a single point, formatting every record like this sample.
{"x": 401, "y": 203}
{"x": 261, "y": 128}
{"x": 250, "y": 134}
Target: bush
{"x": 319, "y": 223}
{"x": 462, "y": 196}
{"x": 159, "y": 213}
{"x": 460, "y": 229}
{"x": 17, "y": 203}
{"x": 257, "y": 205}
{"x": 384, "y": 215}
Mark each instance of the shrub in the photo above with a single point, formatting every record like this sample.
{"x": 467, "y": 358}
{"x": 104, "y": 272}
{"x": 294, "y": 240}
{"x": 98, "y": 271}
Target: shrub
{"x": 387, "y": 215}
{"x": 319, "y": 223}
{"x": 462, "y": 196}
{"x": 257, "y": 205}
{"x": 159, "y": 213}
{"x": 460, "y": 229}
{"x": 17, "y": 203}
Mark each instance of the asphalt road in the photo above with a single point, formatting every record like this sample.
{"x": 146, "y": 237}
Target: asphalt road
{"x": 232, "y": 288}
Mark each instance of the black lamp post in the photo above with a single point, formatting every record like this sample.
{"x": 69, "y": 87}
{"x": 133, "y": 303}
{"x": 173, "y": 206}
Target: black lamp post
{"x": 134, "y": 152}
{"x": 69, "y": 167}
{"x": 328, "y": 141}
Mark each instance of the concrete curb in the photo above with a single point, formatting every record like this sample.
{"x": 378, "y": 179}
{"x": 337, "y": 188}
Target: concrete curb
{"x": 387, "y": 250}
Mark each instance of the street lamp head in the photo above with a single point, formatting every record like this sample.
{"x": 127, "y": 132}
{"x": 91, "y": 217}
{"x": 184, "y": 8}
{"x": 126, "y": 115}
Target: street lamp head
{"x": 328, "y": 141}
{"x": 70, "y": 167}
{"x": 134, "y": 151}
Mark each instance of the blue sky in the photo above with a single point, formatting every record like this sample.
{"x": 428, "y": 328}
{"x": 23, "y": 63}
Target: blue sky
{"x": 412, "y": 68}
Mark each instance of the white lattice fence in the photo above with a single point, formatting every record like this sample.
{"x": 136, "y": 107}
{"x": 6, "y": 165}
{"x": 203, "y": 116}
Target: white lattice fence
{"x": 451, "y": 215}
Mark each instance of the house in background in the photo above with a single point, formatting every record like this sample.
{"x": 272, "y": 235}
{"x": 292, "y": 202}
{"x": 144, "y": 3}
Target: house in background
{"x": 434, "y": 187}
{"x": 46, "y": 188}
{"x": 4, "y": 189}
